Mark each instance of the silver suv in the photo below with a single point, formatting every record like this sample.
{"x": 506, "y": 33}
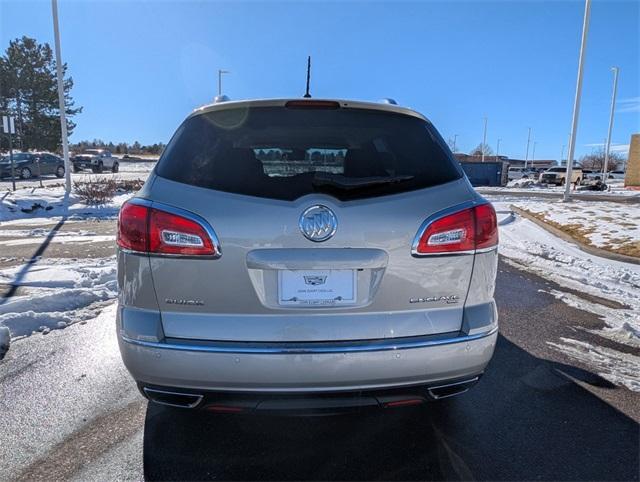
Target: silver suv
{"x": 306, "y": 255}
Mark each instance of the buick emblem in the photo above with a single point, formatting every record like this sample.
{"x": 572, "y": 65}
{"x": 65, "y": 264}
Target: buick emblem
{"x": 318, "y": 223}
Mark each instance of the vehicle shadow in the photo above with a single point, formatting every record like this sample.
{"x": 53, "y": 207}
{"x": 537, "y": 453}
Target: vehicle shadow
{"x": 523, "y": 421}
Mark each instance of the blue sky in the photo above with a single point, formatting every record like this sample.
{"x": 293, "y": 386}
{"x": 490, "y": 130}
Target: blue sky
{"x": 140, "y": 67}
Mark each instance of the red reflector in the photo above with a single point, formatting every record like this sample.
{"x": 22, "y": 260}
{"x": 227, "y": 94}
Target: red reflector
{"x": 312, "y": 104}
{"x": 147, "y": 229}
{"x": 465, "y": 230}
{"x": 224, "y": 409}
{"x": 486, "y": 227}
{"x": 404, "y": 403}
{"x": 132, "y": 227}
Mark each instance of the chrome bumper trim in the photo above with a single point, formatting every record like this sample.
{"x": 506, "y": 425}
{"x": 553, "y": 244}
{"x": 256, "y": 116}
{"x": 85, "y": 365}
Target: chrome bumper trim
{"x": 293, "y": 348}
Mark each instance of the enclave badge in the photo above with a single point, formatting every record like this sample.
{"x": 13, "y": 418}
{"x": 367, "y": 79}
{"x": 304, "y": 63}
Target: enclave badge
{"x": 174, "y": 301}
{"x": 432, "y": 299}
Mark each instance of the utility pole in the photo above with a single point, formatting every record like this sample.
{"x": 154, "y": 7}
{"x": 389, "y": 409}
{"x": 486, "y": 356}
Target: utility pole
{"x": 484, "y": 138}
{"x": 498, "y": 149}
{"x": 562, "y": 153}
{"x": 63, "y": 113}
{"x": 576, "y": 101}
{"x": 613, "y": 105}
{"x": 526, "y": 156}
{"x": 220, "y": 72}
{"x": 455, "y": 137}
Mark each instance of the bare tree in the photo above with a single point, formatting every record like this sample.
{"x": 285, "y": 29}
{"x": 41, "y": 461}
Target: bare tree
{"x": 595, "y": 160}
{"x": 480, "y": 148}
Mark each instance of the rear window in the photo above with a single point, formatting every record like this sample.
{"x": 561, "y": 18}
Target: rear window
{"x": 282, "y": 153}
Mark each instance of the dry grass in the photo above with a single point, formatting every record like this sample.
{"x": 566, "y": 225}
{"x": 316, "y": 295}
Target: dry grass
{"x": 579, "y": 232}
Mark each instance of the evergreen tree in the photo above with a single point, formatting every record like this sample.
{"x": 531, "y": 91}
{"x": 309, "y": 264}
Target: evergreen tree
{"x": 29, "y": 92}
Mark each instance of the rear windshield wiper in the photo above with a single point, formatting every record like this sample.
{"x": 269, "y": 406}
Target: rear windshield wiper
{"x": 340, "y": 181}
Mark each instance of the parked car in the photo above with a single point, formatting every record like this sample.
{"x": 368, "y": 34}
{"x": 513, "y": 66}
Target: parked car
{"x": 307, "y": 255}
{"x": 616, "y": 175}
{"x": 97, "y": 160}
{"x": 32, "y": 164}
{"x": 520, "y": 173}
{"x": 557, "y": 175}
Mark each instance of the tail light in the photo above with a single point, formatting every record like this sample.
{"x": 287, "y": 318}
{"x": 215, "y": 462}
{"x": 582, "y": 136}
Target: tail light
{"x": 312, "y": 104}
{"x": 145, "y": 228}
{"x": 463, "y": 231}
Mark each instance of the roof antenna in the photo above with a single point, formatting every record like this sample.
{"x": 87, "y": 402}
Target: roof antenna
{"x": 307, "y": 95}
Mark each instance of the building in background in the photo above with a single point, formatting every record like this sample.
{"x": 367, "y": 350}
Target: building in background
{"x": 537, "y": 164}
{"x": 632, "y": 174}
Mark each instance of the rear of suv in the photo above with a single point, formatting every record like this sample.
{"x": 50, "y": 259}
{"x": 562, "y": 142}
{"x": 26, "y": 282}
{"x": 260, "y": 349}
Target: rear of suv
{"x": 293, "y": 255}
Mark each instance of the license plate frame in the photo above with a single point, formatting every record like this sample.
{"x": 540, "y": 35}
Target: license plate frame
{"x": 317, "y": 287}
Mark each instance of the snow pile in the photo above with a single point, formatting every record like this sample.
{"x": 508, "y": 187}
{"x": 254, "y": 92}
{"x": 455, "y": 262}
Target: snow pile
{"x": 605, "y": 224}
{"x": 522, "y": 183}
{"x": 619, "y": 368}
{"x": 52, "y": 201}
{"x": 531, "y": 248}
{"x": 55, "y": 293}
{"x": 615, "y": 188}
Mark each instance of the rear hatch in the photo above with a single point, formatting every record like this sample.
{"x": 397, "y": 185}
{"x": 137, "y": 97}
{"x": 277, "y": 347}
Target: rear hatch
{"x": 316, "y": 209}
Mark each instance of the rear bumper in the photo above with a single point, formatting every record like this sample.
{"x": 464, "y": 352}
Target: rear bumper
{"x": 84, "y": 165}
{"x": 310, "y": 367}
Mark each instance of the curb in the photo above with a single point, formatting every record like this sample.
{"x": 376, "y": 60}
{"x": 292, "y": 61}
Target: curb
{"x": 603, "y": 253}
{"x": 635, "y": 199}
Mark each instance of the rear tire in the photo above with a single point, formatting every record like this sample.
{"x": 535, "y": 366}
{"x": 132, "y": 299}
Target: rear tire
{"x": 25, "y": 173}
{"x": 99, "y": 168}
{"x": 60, "y": 171}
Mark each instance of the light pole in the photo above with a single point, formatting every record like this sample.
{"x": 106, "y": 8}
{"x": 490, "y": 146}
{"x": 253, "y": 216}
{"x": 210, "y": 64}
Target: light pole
{"x": 613, "y": 104}
{"x": 484, "y": 138}
{"x": 498, "y": 149}
{"x": 533, "y": 154}
{"x": 562, "y": 153}
{"x": 576, "y": 101}
{"x": 526, "y": 156}
{"x": 220, "y": 72}
{"x": 455, "y": 137}
{"x": 63, "y": 114}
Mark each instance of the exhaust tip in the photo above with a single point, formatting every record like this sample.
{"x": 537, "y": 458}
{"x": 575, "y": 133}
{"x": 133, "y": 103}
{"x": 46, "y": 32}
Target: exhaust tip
{"x": 173, "y": 399}
{"x": 451, "y": 389}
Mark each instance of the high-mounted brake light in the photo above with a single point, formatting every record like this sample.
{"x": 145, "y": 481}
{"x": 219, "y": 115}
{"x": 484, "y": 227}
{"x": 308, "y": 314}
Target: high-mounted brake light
{"x": 463, "y": 231}
{"x": 312, "y": 104}
{"x": 146, "y": 229}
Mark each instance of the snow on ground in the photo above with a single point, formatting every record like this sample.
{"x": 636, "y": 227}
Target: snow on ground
{"x": 616, "y": 188}
{"x": 531, "y": 248}
{"x": 55, "y": 293}
{"x": 65, "y": 237}
{"x": 47, "y": 202}
{"x": 607, "y": 225}
{"x": 134, "y": 166}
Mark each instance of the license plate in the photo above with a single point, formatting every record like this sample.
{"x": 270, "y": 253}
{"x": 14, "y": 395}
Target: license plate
{"x": 317, "y": 287}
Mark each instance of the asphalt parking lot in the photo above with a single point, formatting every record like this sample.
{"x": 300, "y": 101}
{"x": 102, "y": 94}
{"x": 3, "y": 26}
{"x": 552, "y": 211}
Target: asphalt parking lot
{"x": 70, "y": 411}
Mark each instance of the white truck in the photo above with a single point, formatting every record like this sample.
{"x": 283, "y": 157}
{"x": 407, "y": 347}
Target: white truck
{"x": 556, "y": 175}
{"x": 95, "y": 159}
